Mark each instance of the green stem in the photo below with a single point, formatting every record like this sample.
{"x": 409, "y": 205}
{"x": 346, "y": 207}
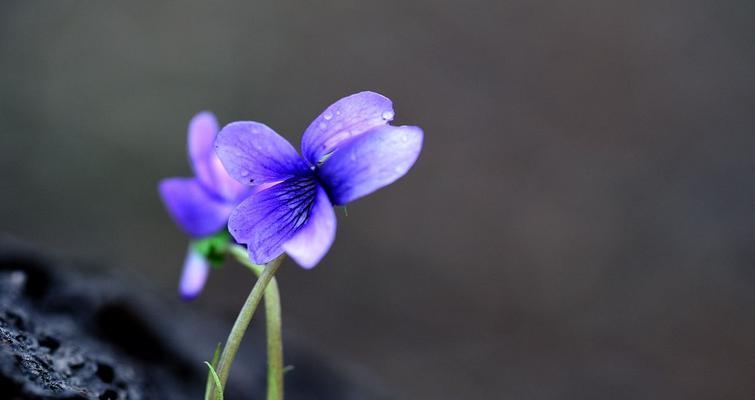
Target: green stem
{"x": 242, "y": 321}
{"x": 273, "y": 328}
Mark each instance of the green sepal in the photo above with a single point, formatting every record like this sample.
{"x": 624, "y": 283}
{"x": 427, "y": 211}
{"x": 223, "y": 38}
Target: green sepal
{"x": 214, "y": 247}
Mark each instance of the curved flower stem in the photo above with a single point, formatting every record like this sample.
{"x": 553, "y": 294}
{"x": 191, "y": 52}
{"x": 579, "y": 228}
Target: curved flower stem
{"x": 242, "y": 322}
{"x": 273, "y": 328}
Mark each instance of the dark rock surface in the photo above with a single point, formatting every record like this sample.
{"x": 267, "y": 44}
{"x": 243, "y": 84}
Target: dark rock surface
{"x": 70, "y": 335}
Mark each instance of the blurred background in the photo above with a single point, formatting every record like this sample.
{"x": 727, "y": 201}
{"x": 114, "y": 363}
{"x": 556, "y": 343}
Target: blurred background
{"x": 580, "y": 224}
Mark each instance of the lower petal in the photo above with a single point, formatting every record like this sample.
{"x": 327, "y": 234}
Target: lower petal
{"x": 270, "y": 218}
{"x": 310, "y": 244}
{"x": 194, "y": 275}
{"x": 197, "y": 212}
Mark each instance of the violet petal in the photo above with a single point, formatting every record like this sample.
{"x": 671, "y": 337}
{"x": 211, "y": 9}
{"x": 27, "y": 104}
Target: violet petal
{"x": 313, "y": 240}
{"x": 196, "y": 211}
{"x": 268, "y": 219}
{"x": 194, "y": 275}
{"x": 203, "y": 128}
{"x": 252, "y": 153}
{"x": 351, "y": 116}
{"x": 371, "y": 161}
{"x": 207, "y": 166}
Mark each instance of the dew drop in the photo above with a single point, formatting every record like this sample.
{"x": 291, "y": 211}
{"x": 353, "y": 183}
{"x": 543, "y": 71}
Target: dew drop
{"x": 405, "y": 138}
{"x": 244, "y": 173}
{"x": 387, "y": 115}
{"x": 323, "y": 125}
{"x": 327, "y": 116}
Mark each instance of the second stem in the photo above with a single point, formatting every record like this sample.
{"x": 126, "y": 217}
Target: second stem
{"x": 244, "y": 318}
{"x": 272, "y": 328}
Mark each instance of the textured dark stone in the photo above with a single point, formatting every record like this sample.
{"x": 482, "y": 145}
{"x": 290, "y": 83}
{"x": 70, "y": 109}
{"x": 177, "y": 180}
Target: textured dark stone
{"x": 71, "y": 335}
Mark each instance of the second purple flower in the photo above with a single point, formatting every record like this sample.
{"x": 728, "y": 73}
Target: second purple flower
{"x": 200, "y": 205}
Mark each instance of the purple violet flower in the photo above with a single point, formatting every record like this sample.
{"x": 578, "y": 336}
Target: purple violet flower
{"x": 349, "y": 151}
{"x": 201, "y": 205}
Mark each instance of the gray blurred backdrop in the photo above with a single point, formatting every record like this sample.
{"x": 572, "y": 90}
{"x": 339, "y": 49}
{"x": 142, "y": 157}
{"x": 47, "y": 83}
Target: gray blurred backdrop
{"x": 580, "y": 224}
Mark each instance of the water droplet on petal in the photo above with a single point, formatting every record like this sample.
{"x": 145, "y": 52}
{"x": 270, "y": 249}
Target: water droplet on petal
{"x": 327, "y": 116}
{"x": 323, "y": 125}
{"x": 399, "y": 169}
{"x": 388, "y": 115}
{"x": 404, "y": 138}
{"x": 244, "y": 173}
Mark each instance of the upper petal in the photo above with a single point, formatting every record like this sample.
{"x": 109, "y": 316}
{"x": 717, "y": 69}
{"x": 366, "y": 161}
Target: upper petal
{"x": 370, "y": 161}
{"x": 195, "y": 210}
{"x": 310, "y": 244}
{"x": 346, "y": 118}
{"x": 203, "y": 129}
{"x": 268, "y": 219}
{"x": 252, "y": 153}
